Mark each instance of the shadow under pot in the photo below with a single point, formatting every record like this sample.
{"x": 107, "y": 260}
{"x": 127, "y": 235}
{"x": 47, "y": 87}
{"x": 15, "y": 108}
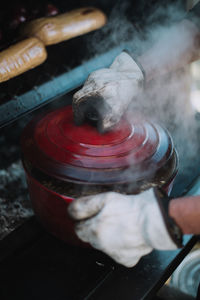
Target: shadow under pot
{"x": 63, "y": 161}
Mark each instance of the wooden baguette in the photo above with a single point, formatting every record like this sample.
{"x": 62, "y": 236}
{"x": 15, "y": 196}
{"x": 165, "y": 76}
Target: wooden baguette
{"x": 21, "y": 57}
{"x": 52, "y": 30}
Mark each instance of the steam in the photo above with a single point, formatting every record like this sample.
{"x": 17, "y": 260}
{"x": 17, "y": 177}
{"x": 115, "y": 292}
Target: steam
{"x": 167, "y": 102}
{"x": 166, "y": 99}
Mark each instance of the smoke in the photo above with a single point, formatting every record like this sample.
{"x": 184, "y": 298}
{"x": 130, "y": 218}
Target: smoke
{"x": 166, "y": 99}
{"x": 143, "y": 30}
{"x": 167, "y": 102}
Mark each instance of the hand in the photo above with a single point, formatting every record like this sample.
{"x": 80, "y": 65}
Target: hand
{"x": 124, "y": 227}
{"x": 107, "y": 93}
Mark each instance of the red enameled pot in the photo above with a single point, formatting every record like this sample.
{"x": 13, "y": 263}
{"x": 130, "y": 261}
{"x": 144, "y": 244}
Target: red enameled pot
{"x": 63, "y": 161}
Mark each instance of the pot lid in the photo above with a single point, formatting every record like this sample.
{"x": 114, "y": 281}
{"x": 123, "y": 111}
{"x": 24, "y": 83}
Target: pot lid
{"x": 55, "y": 145}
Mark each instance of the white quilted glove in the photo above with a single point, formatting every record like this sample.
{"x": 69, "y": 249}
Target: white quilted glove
{"x": 107, "y": 93}
{"x": 124, "y": 227}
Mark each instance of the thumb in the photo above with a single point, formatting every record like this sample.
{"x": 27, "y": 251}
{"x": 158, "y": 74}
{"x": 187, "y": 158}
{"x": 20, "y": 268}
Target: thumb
{"x": 122, "y": 62}
{"x": 86, "y": 207}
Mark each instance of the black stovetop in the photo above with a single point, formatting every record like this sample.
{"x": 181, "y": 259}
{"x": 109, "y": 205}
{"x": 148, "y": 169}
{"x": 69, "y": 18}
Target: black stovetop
{"x": 35, "y": 265}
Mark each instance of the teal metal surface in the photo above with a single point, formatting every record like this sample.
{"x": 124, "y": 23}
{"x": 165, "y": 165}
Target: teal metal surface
{"x": 56, "y": 86}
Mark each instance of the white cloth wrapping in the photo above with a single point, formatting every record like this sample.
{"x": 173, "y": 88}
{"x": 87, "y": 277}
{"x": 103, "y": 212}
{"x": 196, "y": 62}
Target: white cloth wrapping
{"x": 124, "y": 227}
{"x": 116, "y": 86}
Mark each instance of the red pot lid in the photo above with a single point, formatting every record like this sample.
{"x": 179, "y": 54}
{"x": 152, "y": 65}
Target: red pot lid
{"x": 55, "y": 145}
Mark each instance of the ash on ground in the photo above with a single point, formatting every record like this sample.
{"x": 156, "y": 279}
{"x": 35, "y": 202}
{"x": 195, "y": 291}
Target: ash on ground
{"x": 15, "y": 206}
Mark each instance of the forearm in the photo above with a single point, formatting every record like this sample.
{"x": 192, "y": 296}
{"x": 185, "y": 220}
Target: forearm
{"x": 176, "y": 47}
{"x": 186, "y": 213}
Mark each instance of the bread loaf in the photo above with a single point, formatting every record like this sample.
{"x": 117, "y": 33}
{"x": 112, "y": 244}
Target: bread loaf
{"x": 52, "y": 30}
{"x": 21, "y": 57}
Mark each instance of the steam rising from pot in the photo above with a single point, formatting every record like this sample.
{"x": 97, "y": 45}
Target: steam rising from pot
{"x": 167, "y": 98}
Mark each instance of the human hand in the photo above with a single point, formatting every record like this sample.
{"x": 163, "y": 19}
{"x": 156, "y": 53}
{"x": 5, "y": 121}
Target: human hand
{"x": 107, "y": 93}
{"x": 126, "y": 227}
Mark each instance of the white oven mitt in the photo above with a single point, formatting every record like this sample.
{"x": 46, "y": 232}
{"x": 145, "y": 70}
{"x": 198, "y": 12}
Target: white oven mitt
{"x": 107, "y": 92}
{"x": 124, "y": 227}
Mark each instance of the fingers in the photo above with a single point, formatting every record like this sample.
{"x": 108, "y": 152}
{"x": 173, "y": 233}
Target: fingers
{"x": 107, "y": 122}
{"x": 87, "y": 231}
{"x": 91, "y": 102}
{"x": 79, "y": 116}
{"x": 96, "y": 111}
{"x": 130, "y": 257}
{"x": 86, "y": 207}
{"x": 90, "y": 231}
{"x": 90, "y": 105}
{"x": 123, "y": 59}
